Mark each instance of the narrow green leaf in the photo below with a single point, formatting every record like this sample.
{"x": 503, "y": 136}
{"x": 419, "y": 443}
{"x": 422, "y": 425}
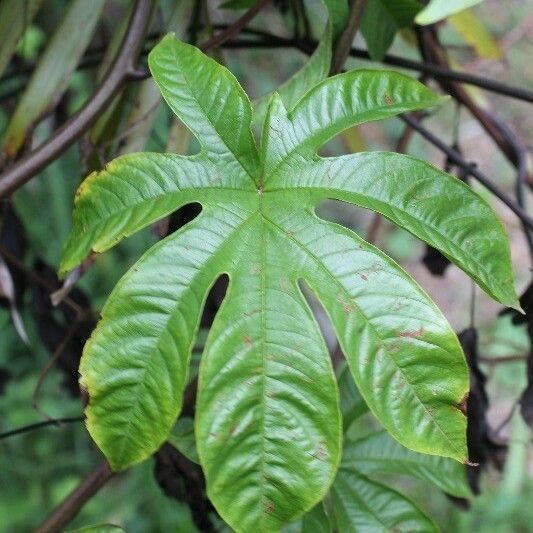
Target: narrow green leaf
{"x": 474, "y": 32}
{"x": 237, "y": 4}
{"x": 105, "y": 127}
{"x": 440, "y": 9}
{"x": 338, "y": 14}
{"x": 402, "y": 11}
{"x": 97, "y": 528}
{"x": 207, "y": 98}
{"x": 52, "y": 75}
{"x": 268, "y": 425}
{"x": 382, "y": 19}
{"x": 14, "y": 19}
{"x": 364, "y": 505}
{"x": 141, "y": 118}
{"x": 378, "y": 453}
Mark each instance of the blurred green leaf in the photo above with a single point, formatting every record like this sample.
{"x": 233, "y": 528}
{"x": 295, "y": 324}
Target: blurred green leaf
{"x": 182, "y": 438}
{"x": 52, "y": 75}
{"x": 316, "y": 520}
{"x": 137, "y": 128}
{"x": 237, "y": 4}
{"x": 363, "y": 505}
{"x": 379, "y": 453}
{"x": 382, "y": 19}
{"x": 476, "y": 34}
{"x": 15, "y": 17}
{"x": 32, "y": 40}
{"x": 378, "y": 28}
{"x": 338, "y": 14}
{"x": 440, "y": 9}
{"x": 98, "y": 528}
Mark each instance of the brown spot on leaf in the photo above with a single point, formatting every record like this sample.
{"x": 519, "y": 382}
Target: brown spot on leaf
{"x": 388, "y": 99}
{"x": 321, "y": 454}
{"x": 247, "y": 339}
{"x": 269, "y": 506}
{"x": 346, "y": 305}
{"x": 463, "y": 404}
{"x": 412, "y": 334}
{"x": 363, "y": 277}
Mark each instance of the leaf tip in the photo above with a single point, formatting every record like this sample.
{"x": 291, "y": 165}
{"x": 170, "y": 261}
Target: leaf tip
{"x": 512, "y": 302}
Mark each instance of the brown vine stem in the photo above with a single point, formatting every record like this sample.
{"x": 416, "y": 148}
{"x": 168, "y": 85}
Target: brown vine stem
{"x": 71, "y": 505}
{"x": 429, "y": 40}
{"x": 235, "y": 28}
{"x": 51, "y": 362}
{"x": 308, "y": 45}
{"x": 119, "y": 73}
{"x": 344, "y": 43}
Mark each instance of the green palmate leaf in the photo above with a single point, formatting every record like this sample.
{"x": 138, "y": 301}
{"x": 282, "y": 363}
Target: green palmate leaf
{"x": 440, "y": 9}
{"x": 268, "y": 425}
{"x": 210, "y": 101}
{"x": 409, "y": 192}
{"x": 361, "y": 504}
{"x": 378, "y": 453}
